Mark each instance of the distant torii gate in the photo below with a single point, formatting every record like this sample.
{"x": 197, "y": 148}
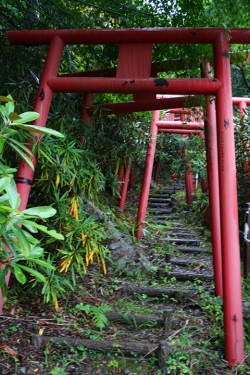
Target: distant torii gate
{"x": 133, "y": 77}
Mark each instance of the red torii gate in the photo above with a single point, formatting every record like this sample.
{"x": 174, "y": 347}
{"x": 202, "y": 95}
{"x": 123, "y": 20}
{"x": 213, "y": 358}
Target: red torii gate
{"x": 135, "y": 50}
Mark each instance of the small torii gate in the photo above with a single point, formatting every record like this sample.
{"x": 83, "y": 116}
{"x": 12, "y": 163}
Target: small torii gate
{"x": 133, "y": 76}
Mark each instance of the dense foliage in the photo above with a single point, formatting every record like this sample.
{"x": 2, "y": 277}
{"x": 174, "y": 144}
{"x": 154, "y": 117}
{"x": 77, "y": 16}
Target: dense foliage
{"x": 40, "y": 14}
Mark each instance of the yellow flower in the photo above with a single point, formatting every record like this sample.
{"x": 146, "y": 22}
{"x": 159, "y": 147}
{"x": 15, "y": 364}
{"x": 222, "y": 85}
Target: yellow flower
{"x": 84, "y": 239}
{"x": 65, "y": 264}
{"x": 57, "y": 179}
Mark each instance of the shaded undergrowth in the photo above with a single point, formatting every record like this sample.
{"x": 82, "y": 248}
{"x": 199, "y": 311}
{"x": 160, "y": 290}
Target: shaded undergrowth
{"x": 195, "y": 336}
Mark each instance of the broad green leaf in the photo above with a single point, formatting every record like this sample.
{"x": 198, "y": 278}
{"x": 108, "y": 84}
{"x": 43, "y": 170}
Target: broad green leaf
{"x": 3, "y": 225}
{"x": 7, "y": 170}
{"x": 7, "y": 208}
{"x": 22, "y": 155}
{"x": 14, "y": 116}
{"x": 33, "y": 241}
{"x": 3, "y": 219}
{"x": 3, "y": 111}
{"x": 9, "y": 132}
{"x": 22, "y": 240}
{"x": 9, "y": 108}
{"x": 4, "y": 253}
{"x": 3, "y": 273}
{"x": 27, "y": 117}
{"x": 33, "y": 272}
{"x": 2, "y": 142}
{"x": 4, "y": 182}
{"x": 13, "y": 196}
{"x": 9, "y": 243}
{"x": 42, "y": 212}
{"x": 41, "y": 263}
{"x": 29, "y": 225}
{"x": 44, "y": 229}
{"x": 6, "y": 99}
{"x": 4, "y": 199}
{"x": 39, "y": 129}
{"x": 19, "y": 275}
{"x": 36, "y": 252}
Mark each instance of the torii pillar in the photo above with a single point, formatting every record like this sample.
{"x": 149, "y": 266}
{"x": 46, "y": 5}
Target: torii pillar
{"x": 232, "y": 294}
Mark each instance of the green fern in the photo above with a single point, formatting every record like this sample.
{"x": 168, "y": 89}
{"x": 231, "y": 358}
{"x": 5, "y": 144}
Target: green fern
{"x": 97, "y": 313}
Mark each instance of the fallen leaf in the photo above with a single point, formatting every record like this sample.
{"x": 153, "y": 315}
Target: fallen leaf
{"x": 9, "y": 351}
{"x": 118, "y": 288}
{"x": 198, "y": 267}
{"x": 12, "y": 311}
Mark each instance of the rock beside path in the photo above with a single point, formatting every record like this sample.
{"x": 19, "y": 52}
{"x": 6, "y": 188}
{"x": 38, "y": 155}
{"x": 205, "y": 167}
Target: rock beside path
{"x": 125, "y": 255}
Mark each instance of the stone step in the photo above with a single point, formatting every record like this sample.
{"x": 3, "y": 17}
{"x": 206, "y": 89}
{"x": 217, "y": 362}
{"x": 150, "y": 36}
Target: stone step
{"x": 161, "y": 210}
{"x": 174, "y": 217}
{"x": 164, "y": 196}
{"x": 182, "y": 231}
{"x": 185, "y": 262}
{"x": 177, "y": 233}
{"x": 182, "y": 240}
{"x": 178, "y": 185}
{"x": 159, "y": 200}
{"x": 192, "y": 249}
{"x": 159, "y": 217}
{"x": 158, "y": 205}
{"x": 166, "y": 191}
{"x": 190, "y": 275}
{"x": 179, "y": 229}
{"x": 181, "y": 234}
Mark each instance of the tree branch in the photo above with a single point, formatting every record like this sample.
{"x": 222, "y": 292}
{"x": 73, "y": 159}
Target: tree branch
{"x": 244, "y": 77}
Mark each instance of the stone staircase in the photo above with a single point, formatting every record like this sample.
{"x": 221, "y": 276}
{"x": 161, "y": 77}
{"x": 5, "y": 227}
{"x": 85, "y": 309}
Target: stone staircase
{"x": 190, "y": 257}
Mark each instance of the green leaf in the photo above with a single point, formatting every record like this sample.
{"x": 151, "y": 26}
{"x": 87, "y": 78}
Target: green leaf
{"x": 7, "y": 208}
{"x": 29, "y": 225}
{"x": 4, "y": 169}
{"x": 42, "y": 212}
{"x": 3, "y": 111}
{"x": 22, "y": 155}
{"x": 3, "y": 219}
{"x": 36, "y": 251}
{"x": 2, "y": 142}
{"x": 4, "y": 182}
{"x": 14, "y": 116}
{"x": 21, "y": 146}
{"x": 45, "y": 155}
{"x": 13, "y": 196}
{"x": 9, "y": 243}
{"x": 33, "y": 272}
{"x": 39, "y": 129}
{"x": 22, "y": 240}
{"x": 19, "y": 275}
{"x": 3, "y": 225}
{"x": 6, "y": 99}
{"x": 44, "y": 229}
{"x": 9, "y": 132}
{"x": 3, "y": 273}
{"x": 27, "y": 117}
{"x": 41, "y": 263}
{"x": 9, "y": 108}
{"x": 32, "y": 240}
